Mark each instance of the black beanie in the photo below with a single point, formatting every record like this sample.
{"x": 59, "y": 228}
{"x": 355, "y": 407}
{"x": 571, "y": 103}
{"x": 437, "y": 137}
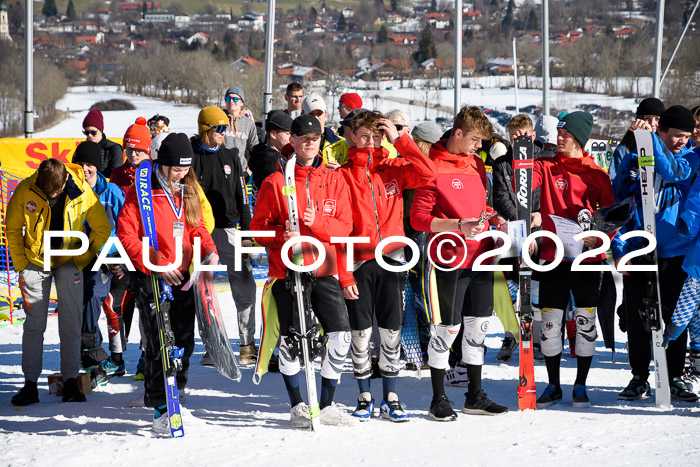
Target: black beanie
{"x": 579, "y": 124}
{"x": 677, "y": 117}
{"x": 89, "y": 152}
{"x": 175, "y": 151}
{"x": 650, "y": 106}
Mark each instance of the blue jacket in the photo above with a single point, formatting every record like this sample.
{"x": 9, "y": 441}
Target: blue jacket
{"x": 112, "y": 198}
{"x": 689, "y": 227}
{"x": 672, "y": 182}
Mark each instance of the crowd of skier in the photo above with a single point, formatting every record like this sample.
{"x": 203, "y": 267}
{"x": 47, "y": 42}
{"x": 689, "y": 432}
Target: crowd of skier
{"x": 373, "y": 177}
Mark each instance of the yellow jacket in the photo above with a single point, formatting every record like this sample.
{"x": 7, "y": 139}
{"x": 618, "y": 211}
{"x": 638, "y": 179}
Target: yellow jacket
{"x": 29, "y": 208}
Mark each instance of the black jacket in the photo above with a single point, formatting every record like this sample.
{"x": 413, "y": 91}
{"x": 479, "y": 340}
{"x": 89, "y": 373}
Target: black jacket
{"x": 112, "y": 155}
{"x": 221, "y": 176}
{"x": 503, "y": 193}
{"x": 264, "y": 160}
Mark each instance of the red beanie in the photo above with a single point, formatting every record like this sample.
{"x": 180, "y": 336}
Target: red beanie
{"x": 351, "y": 100}
{"x": 94, "y": 118}
{"x": 138, "y": 136}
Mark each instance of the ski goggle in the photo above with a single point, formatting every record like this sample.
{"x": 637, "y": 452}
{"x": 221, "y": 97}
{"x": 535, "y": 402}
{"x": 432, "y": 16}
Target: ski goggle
{"x": 217, "y": 128}
{"x": 235, "y": 99}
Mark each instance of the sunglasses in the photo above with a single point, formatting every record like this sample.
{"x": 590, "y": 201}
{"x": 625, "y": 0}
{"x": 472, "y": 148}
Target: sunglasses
{"x": 235, "y": 100}
{"x": 91, "y": 132}
{"x": 218, "y": 128}
{"x": 399, "y": 127}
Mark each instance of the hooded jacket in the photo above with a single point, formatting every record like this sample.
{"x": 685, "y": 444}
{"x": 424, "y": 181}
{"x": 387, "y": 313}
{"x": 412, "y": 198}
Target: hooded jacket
{"x": 376, "y": 191}
{"x": 673, "y": 177}
{"x": 220, "y": 174}
{"x": 330, "y": 197}
{"x": 334, "y": 147}
{"x": 459, "y": 191}
{"x": 123, "y": 176}
{"x": 569, "y": 185}
{"x": 242, "y": 135}
{"x": 130, "y": 230}
{"x": 29, "y": 208}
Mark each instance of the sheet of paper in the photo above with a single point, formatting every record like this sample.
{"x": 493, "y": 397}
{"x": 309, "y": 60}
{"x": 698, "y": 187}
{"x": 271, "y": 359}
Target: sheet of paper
{"x": 517, "y": 231}
{"x": 566, "y": 230}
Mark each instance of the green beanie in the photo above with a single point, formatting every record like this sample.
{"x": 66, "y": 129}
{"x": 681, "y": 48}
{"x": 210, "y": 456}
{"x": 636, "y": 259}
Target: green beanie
{"x": 579, "y": 124}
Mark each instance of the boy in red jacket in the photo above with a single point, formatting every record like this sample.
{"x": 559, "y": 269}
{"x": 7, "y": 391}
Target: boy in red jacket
{"x": 453, "y": 203}
{"x": 376, "y": 186}
{"x": 570, "y": 184}
{"x": 325, "y": 203}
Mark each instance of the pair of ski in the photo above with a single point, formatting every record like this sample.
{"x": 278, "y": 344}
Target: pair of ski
{"x": 523, "y": 162}
{"x": 211, "y": 326}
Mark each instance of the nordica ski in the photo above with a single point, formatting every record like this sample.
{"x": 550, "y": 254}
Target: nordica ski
{"x": 170, "y": 354}
{"x": 522, "y": 171}
{"x": 651, "y": 305}
{"x": 301, "y": 293}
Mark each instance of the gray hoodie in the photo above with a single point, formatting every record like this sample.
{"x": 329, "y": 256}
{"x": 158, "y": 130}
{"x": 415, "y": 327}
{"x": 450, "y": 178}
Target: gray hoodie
{"x": 242, "y": 135}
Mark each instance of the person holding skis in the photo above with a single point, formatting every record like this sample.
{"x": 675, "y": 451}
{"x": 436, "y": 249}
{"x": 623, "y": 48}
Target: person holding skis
{"x": 675, "y": 168}
{"x": 97, "y": 284}
{"x": 324, "y": 199}
{"x": 453, "y": 203}
{"x": 177, "y": 213}
{"x": 219, "y": 171}
{"x": 570, "y": 183}
{"x": 648, "y": 112}
{"x": 376, "y": 188}
{"x": 55, "y": 198}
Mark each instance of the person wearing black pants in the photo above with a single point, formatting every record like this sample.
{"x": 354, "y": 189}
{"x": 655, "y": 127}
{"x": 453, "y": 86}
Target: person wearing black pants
{"x": 671, "y": 277}
{"x": 181, "y": 310}
{"x": 555, "y": 288}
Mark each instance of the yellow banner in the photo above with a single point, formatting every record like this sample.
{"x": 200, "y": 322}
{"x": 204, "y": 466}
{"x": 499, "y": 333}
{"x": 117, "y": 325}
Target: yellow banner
{"x": 21, "y": 157}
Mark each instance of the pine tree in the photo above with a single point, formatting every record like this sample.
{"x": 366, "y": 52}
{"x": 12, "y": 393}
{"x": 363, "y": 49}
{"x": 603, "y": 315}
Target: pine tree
{"x": 382, "y": 35}
{"x": 426, "y": 46}
{"x": 394, "y": 5}
{"x": 508, "y": 20}
{"x": 144, "y": 9}
{"x": 433, "y": 6}
{"x": 313, "y": 14}
{"x": 70, "y": 10}
{"x": 49, "y": 9}
{"x": 532, "y": 23}
{"x": 342, "y": 24}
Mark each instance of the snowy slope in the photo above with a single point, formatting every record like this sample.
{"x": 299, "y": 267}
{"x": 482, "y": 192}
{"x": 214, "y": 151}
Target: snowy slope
{"x": 229, "y": 423}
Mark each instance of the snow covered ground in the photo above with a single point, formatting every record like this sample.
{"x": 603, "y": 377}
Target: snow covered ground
{"x": 229, "y": 423}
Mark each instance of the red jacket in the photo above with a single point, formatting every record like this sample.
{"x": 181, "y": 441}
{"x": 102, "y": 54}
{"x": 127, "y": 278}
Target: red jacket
{"x": 568, "y": 185}
{"x": 130, "y": 231}
{"x": 458, "y": 192}
{"x": 376, "y": 189}
{"x": 330, "y": 197}
{"x": 123, "y": 176}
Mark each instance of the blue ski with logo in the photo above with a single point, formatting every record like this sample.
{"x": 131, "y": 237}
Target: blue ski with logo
{"x": 171, "y": 355}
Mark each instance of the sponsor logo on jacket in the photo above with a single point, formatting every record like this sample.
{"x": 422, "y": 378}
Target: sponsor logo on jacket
{"x": 31, "y": 206}
{"x": 457, "y": 184}
{"x": 561, "y": 183}
{"x": 329, "y": 207}
{"x": 392, "y": 189}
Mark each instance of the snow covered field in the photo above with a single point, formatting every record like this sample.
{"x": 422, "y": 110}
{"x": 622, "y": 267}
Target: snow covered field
{"x": 229, "y": 423}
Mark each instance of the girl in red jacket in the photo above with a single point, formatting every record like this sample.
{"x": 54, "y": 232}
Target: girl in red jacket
{"x": 453, "y": 203}
{"x": 324, "y": 199}
{"x": 570, "y": 183}
{"x": 376, "y": 190}
{"x": 177, "y": 213}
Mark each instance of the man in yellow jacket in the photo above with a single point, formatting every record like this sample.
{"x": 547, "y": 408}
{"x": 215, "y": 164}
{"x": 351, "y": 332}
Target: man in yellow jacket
{"x": 55, "y": 198}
